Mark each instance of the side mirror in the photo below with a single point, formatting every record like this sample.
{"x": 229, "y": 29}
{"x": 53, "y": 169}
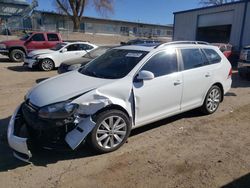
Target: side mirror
{"x": 145, "y": 75}
{"x": 64, "y": 50}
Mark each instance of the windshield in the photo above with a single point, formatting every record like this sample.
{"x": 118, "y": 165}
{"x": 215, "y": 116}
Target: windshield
{"x": 26, "y": 36}
{"x": 58, "y": 46}
{"x": 114, "y": 64}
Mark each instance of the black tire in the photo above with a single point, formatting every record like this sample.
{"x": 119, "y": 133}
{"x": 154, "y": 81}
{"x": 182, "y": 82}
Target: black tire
{"x": 211, "y": 104}
{"x": 46, "y": 65}
{"x": 100, "y": 146}
{"x": 241, "y": 74}
{"x": 17, "y": 55}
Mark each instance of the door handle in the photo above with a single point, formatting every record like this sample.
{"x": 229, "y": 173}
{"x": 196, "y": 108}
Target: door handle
{"x": 177, "y": 82}
{"x": 207, "y": 75}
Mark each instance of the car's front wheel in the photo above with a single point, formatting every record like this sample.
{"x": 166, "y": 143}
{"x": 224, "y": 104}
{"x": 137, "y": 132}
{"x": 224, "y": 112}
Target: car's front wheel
{"x": 46, "y": 65}
{"x": 212, "y": 100}
{"x": 111, "y": 132}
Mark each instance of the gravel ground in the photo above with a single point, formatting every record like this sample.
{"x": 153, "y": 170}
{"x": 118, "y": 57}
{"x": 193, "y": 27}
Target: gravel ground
{"x": 187, "y": 150}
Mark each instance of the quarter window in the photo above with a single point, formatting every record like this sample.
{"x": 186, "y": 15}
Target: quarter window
{"x": 212, "y": 56}
{"x": 38, "y": 37}
{"x": 162, "y": 64}
{"x": 192, "y": 58}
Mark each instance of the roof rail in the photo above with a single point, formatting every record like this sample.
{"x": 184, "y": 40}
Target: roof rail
{"x": 182, "y": 42}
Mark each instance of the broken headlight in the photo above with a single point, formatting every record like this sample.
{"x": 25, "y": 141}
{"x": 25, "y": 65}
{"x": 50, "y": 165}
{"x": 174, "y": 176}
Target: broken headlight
{"x": 58, "y": 110}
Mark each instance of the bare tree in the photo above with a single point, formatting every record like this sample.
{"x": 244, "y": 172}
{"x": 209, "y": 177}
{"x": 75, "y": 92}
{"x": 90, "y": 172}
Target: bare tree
{"x": 215, "y": 2}
{"x": 75, "y": 8}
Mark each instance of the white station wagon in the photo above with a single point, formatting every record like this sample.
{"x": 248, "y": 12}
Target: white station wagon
{"x": 125, "y": 88}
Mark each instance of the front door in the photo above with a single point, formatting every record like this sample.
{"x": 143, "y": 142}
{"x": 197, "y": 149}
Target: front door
{"x": 161, "y": 96}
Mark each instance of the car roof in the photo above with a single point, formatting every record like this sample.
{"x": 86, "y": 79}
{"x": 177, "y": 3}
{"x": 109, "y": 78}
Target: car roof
{"x": 135, "y": 47}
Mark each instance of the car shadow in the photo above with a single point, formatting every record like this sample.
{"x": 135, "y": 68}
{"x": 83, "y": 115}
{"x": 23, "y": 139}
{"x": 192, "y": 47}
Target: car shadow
{"x": 243, "y": 181}
{"x": 19, "y": 68}
{"x": 5, "y": 60}
{"x": 41, "y": 79}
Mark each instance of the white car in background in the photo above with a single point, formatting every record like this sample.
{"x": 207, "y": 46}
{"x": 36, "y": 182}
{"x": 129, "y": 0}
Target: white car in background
{"x": 49, "y": 59}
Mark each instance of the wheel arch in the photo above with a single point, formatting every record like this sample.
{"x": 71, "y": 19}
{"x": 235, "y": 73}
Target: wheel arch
{"x": 113, "y": 107}
{"x": 222, "y": 89}
{"x": 18, "y": 48}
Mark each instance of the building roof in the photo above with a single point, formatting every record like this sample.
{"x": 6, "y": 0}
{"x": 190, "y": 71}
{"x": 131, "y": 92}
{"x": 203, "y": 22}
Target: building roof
{"x": 15, "y": 2}
{"x": 212, "y": 6}
{"x": 102, "y": 19}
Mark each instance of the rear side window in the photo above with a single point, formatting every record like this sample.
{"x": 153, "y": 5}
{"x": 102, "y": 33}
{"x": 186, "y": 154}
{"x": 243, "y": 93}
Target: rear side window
{"x": 38, "y": 37}
{"x": 212, "y": 56}
{"x": 192, "y": 58}
{"x": 162, "y": 64}
{"x": 52, "y": 37}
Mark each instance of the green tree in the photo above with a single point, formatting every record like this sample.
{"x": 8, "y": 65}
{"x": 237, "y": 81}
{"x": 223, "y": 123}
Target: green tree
{"x": 75, "y": 8}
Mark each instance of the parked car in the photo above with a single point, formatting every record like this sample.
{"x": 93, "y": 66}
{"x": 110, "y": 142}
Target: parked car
{"x": 226, "y": 49}
{"x": 17, "y": 49}
{"x": 49, "y": 59}
{"x": 244, "y": 63}
{"x": 141, "y": 41}
{"x": 73, "y": 64}
{"x": 125, "y": 88}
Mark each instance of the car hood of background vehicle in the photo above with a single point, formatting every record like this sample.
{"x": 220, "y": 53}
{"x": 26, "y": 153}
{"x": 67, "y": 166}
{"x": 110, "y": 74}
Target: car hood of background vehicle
{"x": 40, "y": 52}
{"x": 63, "y": 87}
{"x": 81, "y": 60}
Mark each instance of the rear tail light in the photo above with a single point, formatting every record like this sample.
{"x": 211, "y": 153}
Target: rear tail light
{"x": 230, "y": 73}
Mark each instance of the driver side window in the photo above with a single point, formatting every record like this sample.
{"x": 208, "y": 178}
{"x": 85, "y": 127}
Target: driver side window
{"x": 162, "y": 64}
{"x": 38, "y": 37}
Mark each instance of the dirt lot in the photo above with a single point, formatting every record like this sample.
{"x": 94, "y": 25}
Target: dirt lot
{"x": 188, "y": 150}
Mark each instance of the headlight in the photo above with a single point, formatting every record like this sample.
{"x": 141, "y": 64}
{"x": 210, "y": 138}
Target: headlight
{"x": 73, "y": 67}
{"x": 2, "y": 46}
{"x": 58, "y": 111}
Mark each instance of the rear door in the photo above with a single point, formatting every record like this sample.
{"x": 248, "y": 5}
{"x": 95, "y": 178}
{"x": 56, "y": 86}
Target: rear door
{"x": 197, "y": 77}
{"x": 52, "y": 40}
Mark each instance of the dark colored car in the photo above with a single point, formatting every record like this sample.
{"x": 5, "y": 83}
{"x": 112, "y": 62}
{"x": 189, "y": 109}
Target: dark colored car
{"x": 77, "y": 63}
{"x": 18, "y": 49}
{"x": 244, "y": 63}
{"x": 141, "y": 42}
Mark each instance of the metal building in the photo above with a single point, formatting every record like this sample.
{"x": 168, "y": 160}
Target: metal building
{"x": 227, "y": 23}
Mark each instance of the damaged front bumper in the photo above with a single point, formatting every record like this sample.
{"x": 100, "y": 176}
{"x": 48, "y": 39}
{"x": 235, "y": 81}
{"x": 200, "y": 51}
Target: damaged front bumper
{"x": 22, "y": 136}
{"x": 16, "y": 141}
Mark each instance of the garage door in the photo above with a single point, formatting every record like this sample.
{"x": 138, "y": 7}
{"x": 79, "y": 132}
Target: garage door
{"x": 215, "y": 19}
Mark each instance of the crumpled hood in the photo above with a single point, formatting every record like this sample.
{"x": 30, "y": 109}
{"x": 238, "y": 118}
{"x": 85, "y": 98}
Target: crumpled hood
{"x": 63, "y": 87}
{"x": 40, "y": 52}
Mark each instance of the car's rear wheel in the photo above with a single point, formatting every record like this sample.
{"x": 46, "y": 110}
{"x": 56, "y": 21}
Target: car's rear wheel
{"x": 212, "y": 100}
{"x": 16, "y": 55}
{"x": 46, "y": 65}
{"x": 111, "y": 132}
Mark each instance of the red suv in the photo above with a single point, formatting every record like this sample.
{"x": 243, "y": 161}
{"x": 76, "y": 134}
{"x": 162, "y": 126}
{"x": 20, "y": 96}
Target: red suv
{"x": 17, "y": 49}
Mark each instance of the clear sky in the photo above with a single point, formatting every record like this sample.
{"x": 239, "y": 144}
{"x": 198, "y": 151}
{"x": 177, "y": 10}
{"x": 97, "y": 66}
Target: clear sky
{"x": 146, "y": 11}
